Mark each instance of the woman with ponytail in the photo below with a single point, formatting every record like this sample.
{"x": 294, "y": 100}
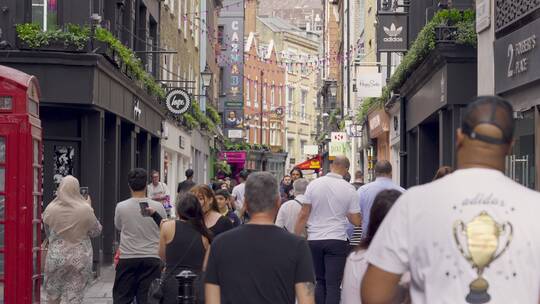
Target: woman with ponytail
{"x": 183, "y": 243}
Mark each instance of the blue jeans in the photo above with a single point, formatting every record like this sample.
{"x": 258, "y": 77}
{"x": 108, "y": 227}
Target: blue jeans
{"x": 329, "y": 257}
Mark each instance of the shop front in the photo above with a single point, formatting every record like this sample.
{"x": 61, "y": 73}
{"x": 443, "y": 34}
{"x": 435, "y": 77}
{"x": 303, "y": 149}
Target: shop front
{"x": 393, "y": 109}
{"x": 379, "y": 128}
{"x": 175, "y": 156}
{"x": 517, "y": 79}
{"x": 97, "y": 125}
{"x": 434, "y": 97}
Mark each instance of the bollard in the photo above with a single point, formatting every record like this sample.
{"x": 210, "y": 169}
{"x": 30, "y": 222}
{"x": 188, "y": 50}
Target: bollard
{"x": 186, "y": 287}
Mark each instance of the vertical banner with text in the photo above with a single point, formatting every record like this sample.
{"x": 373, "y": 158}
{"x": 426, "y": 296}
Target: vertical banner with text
{"x": 231, "y": 61}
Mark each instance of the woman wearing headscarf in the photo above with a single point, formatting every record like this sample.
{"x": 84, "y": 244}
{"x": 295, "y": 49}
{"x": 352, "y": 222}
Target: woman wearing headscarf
{"x": 70, "y": 223}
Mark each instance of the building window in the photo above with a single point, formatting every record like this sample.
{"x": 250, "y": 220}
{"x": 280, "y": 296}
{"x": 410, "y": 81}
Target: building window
{"x": 302, "y": 146}
{"x": 272, "y": 96}
{"x": 45, "y": 13}
{"x": 290, "y": 105}
{"x": 256, "y": 94}
{"x": 221, "y": 33}
{"x": 264, "y": 96}
{"x": 303, "y": 105}
{"x": 248, "y": 89}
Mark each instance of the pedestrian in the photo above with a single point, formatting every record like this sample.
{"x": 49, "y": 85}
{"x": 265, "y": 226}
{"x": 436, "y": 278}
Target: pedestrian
{"x": 186, "y": 185}
{"x": 358, "y": 179}
{"x": 70, "y": 223}
{"x": 330, "y": 204}
{"x": 295, "y": 174}
{"x": 442, "y": 172}
{"x": 139, "y": 262}
{"x": 238, "y": 194}
{"x": 368, "y": 192}
{"x": 286, "y": 189}
{"x": 223, "y": 198}
{"x": 214, "y": 221}
{"x": 347, "y": 177}
{"x": 183, "y": 244}
{"x": 159, "y": 192}
{"x": 275, "y": 265}
{"x": 288, "y": 212}
{"x": 356, "y": 262}
{"x": 471, "y": 237}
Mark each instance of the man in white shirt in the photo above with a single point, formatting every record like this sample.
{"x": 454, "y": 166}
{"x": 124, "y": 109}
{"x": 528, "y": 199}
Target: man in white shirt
{"x": 330, "y": 202}
{"x": 159, "y": 192}
{"x": 470, "y": 237}
{"x": 238, "y": 193}
{"x": 288, "y": 212}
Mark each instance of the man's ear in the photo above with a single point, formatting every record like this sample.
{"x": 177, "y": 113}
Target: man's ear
{"x": 460, "y": 138}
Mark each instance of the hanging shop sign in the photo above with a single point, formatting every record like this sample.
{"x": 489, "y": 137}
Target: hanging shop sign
{"x": 339, "y": 149}
{"x": 369, "y": 84}
{"x": 338, "y": 136}
{"x": 379, "y": 123}
{"x": 392, "y": 32}
{"x": 178, "y": 101}
{"x": 518, "y": 58}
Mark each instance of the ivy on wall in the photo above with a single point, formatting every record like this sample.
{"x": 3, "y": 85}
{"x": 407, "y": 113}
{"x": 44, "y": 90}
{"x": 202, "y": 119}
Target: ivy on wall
{"x": 464, "y": 21}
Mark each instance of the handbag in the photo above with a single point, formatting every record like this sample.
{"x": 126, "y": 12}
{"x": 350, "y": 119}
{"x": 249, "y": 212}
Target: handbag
{"x": 155, "y": 291}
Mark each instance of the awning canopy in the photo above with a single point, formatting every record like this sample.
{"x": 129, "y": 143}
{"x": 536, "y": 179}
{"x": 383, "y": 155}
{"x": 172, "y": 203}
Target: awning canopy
{"x": 310, "y": 164}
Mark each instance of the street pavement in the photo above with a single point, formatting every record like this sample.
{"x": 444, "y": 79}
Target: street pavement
{"x": 100, "y": 291}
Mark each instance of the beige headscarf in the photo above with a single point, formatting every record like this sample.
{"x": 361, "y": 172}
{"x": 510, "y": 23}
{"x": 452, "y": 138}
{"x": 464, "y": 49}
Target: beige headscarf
{"x": 69, "y": 215}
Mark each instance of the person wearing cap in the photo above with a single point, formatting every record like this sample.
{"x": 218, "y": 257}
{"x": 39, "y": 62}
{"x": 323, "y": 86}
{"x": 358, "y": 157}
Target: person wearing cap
{"x": 471, "y": 237}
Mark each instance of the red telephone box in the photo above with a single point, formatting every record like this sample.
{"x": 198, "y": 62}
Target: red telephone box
{"x": 20, "y": 188}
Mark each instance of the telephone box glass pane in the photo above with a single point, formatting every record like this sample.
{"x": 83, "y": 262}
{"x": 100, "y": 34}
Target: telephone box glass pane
{"x": 2, "y": 179}
{"x": 2, "y": 207}
{"x": 36, "y": 153}
{"x": 1, "y": 292}
{"x": 2, "y": 149}
{"x": 6, "y": 103}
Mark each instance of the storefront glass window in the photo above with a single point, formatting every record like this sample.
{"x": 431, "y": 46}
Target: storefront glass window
{"x": 45, "y": 13}
{"x": 520, "y": 165}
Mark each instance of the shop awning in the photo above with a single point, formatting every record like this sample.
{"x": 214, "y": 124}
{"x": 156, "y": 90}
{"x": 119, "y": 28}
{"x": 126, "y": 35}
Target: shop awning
{"x": 310, "y": 164}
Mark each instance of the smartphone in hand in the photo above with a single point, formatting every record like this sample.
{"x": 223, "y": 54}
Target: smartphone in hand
{"x": 144, "y": 208}
{"x": 84, "y": 192}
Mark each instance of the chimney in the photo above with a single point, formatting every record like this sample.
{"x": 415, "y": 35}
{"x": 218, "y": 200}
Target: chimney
{"x": 250, "y": 16}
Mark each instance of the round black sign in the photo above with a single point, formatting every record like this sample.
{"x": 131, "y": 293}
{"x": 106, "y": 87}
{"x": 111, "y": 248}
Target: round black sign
{"x": 279, "y": 111}
{"x": 178, "y": 101}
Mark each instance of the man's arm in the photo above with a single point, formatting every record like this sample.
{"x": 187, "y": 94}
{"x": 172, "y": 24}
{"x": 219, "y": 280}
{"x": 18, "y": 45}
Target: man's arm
{"x": 212, "y": 293}
{"x": 303, "y": 217}
{"x": 355, "y": 218}
{"x": 117, "y": 219}
{"x": 305, "y": 292}
{"x": 379, "y": 286}
{"x": 280, "y": 218}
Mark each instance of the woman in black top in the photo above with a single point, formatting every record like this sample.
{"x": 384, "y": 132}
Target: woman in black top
{"x": 183, "y": 244}
{"x": 214, "y": 221}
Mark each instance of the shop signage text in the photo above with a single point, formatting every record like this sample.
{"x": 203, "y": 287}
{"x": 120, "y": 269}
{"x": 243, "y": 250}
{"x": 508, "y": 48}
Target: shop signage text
{"x": 370, "y": 85}
{"x": 517, "y": 58}
{"x": 392, "y": 32}
{"x": 178, "y": 101}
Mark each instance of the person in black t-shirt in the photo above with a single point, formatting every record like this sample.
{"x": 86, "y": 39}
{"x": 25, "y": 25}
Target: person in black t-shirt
{"x": 276, "y": 266}
{"x": 186, "y": 185}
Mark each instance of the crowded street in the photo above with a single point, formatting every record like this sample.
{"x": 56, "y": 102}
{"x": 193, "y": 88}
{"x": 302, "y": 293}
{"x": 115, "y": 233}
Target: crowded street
{"x": 269, "y": 151}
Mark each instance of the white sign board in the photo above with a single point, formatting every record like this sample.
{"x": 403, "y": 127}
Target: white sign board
{"x": 339, "y": 149}
{"x": 339, "y": 137}
{"x": 369, "y": 84}
{"x": 483, "y": 12}
{"x": 311, "y": 150}
{"x": 235, "y": 133}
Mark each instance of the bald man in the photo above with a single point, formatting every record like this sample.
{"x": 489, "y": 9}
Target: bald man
{"x": 330, "y": 204}
{"x": 470, "y": 237}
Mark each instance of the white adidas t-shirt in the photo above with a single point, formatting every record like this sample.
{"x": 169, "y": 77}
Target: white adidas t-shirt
{"x": 418, "y": 235}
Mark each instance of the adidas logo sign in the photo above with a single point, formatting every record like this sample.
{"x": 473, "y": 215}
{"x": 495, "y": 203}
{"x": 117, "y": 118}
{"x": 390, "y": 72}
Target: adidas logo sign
{"x": 393, "y": 32}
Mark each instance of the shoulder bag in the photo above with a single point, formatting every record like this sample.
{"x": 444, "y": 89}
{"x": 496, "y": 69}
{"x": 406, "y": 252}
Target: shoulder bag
{"x": 155, "y": 291}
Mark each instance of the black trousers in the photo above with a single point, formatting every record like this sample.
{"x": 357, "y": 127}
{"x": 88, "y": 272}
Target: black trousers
{"x": 133, "y": 278}
{"x": 329, "y": 257}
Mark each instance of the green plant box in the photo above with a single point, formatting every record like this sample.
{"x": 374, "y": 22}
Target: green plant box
{"x": 52, "y": 46}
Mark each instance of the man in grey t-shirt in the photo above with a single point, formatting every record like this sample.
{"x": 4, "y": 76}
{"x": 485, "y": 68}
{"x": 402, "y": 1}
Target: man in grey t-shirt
{"x": 139, "y": 261}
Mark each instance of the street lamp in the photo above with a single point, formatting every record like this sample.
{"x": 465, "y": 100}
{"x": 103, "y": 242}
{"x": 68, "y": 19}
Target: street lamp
{"x": 206, "y": 77}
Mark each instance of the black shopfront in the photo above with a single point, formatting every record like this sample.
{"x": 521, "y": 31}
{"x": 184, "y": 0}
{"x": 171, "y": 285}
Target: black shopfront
{"x": 97, "y": 125}
{"x": 432, "y": 100}
{"x": 98, "y": 121}
{"x": 517, "y": 79}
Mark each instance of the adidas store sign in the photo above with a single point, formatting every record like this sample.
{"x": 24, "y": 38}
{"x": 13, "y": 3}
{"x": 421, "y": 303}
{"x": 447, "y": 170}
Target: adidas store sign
{"x": 392, "y": 32}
